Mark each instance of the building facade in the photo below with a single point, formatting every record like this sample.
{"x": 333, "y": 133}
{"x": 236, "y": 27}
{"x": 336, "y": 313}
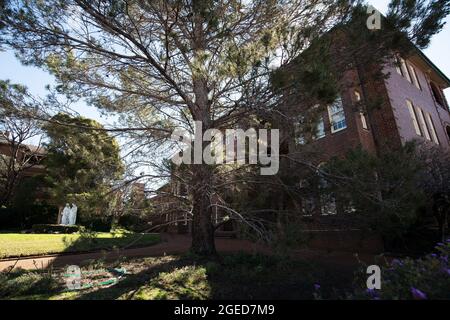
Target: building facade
{"x": 412, "y": 106}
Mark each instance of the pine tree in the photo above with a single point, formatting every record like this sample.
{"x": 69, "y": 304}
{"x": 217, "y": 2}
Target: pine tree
{"x": 165, "y": 64}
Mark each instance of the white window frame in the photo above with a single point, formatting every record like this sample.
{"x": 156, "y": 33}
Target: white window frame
{"x": 414, "y": 76}
{"x": 423, "y": 124}
{"x": 299, "y": 137}
{"x": 320, "y": 129}
{"x": 332, "y": 113}
{"x": 412, "y": 113}
{"x": 363, "y": 120}
{"x": 405, "y": 70}
{"x": 433, "y": 129}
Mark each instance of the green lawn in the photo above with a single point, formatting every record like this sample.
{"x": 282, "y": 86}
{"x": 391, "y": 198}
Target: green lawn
{"x": 16, "y": 244}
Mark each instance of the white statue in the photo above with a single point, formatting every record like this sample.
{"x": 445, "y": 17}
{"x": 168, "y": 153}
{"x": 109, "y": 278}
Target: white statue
{"x": 73, "y": 214}
{"x": 69, "y": 215}
{"x": 65, "y": 215}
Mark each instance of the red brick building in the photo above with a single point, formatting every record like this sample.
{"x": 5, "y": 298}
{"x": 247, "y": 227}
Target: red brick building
{"x": 410, "y": 106}
{"x": 413, "y": 106}
{"x": 19, "y": 162}
{"x": 30, "y": 154}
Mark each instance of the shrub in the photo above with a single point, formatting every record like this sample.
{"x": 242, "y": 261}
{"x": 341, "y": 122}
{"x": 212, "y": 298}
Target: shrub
{"x": 54, "y": 228}
{"x": 133, "y": 222}
{"x": 9, "y": 219}
{"x": 25, "y": 217}
{"x": 424, "y": 278}
{"x": 98, "y": 224}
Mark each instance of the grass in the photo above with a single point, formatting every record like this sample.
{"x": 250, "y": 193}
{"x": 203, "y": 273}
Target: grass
{"x": 17, "y": 245}
{"x": 234, "y": 276}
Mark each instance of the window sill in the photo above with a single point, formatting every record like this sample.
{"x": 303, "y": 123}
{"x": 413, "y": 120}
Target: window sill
{"x": 337, "y": 130}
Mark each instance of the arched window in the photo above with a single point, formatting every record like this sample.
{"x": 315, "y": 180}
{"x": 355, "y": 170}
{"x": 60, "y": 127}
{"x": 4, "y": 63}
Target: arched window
{"x": 448, "y": 131}
{"x": 357, "y": 95}
{"x": 437, "y": 94}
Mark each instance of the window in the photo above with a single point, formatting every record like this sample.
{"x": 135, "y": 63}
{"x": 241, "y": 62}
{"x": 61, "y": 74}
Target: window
{"x": 437, "y": 94}
{"x": 337, "y": 116}
{"x": 432, "y": 128}
{"x": 414, "y": 77}
{"x": 398, "y": 65}
{"x": 423, "y": 124}
{"x": 300, "y": 139}
{"x": 298, "y": 131}
{"x": 405, "y": 70}
{"x": 327, "y": 198}
{"x": 308, "y": 206}
{"x": 413, "y": 117}
{"x": 363, "y": 120}
{"x": 320, "y": 129}
{"x": 328, "y": 205}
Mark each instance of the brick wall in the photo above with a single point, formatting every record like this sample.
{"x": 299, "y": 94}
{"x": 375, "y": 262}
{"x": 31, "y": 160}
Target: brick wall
{"x": 399, "y": 89}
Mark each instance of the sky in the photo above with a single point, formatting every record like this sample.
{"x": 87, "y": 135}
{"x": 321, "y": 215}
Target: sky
{"x": 36, "y": 79}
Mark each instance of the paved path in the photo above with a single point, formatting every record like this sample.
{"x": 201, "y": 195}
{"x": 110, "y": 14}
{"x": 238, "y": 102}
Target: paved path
{"x": 171, "y": 244}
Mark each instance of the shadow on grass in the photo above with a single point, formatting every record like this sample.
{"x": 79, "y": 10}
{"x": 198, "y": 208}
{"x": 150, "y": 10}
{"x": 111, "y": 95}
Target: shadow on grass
{"x": 93, "y": 241}
{"x": 234, "y": 276}
{"x": 20, "y": 282}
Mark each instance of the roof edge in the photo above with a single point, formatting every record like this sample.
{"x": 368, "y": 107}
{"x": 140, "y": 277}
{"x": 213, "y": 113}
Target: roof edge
{"x": 433, "y": 66}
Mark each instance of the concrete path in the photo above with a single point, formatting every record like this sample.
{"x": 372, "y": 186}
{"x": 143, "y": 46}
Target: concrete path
{"x": 171, "y": 244}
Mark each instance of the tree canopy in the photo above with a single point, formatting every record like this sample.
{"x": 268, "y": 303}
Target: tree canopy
{"x": 82, "y": 161}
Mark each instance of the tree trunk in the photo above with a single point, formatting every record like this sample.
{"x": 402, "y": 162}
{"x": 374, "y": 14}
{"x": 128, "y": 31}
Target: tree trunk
{"x": 202, "y": 174}
{"x": 202, "y": 226}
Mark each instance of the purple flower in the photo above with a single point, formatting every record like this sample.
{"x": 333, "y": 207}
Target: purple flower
{"x": 439, "y": 244}
{"x": 397, "y": 262}
{"x": 316, "y": 286}
{"x": 372, "y": 292}
{"x": 417, "y": 294}
{"x": 433, "y": 255}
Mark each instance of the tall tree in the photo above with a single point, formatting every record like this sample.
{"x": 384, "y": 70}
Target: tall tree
{"x": 82, "y": 162}
{"x": 165, "y": 64}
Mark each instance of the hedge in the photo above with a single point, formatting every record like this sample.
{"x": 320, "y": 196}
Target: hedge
{"x": 54, "y": 228}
